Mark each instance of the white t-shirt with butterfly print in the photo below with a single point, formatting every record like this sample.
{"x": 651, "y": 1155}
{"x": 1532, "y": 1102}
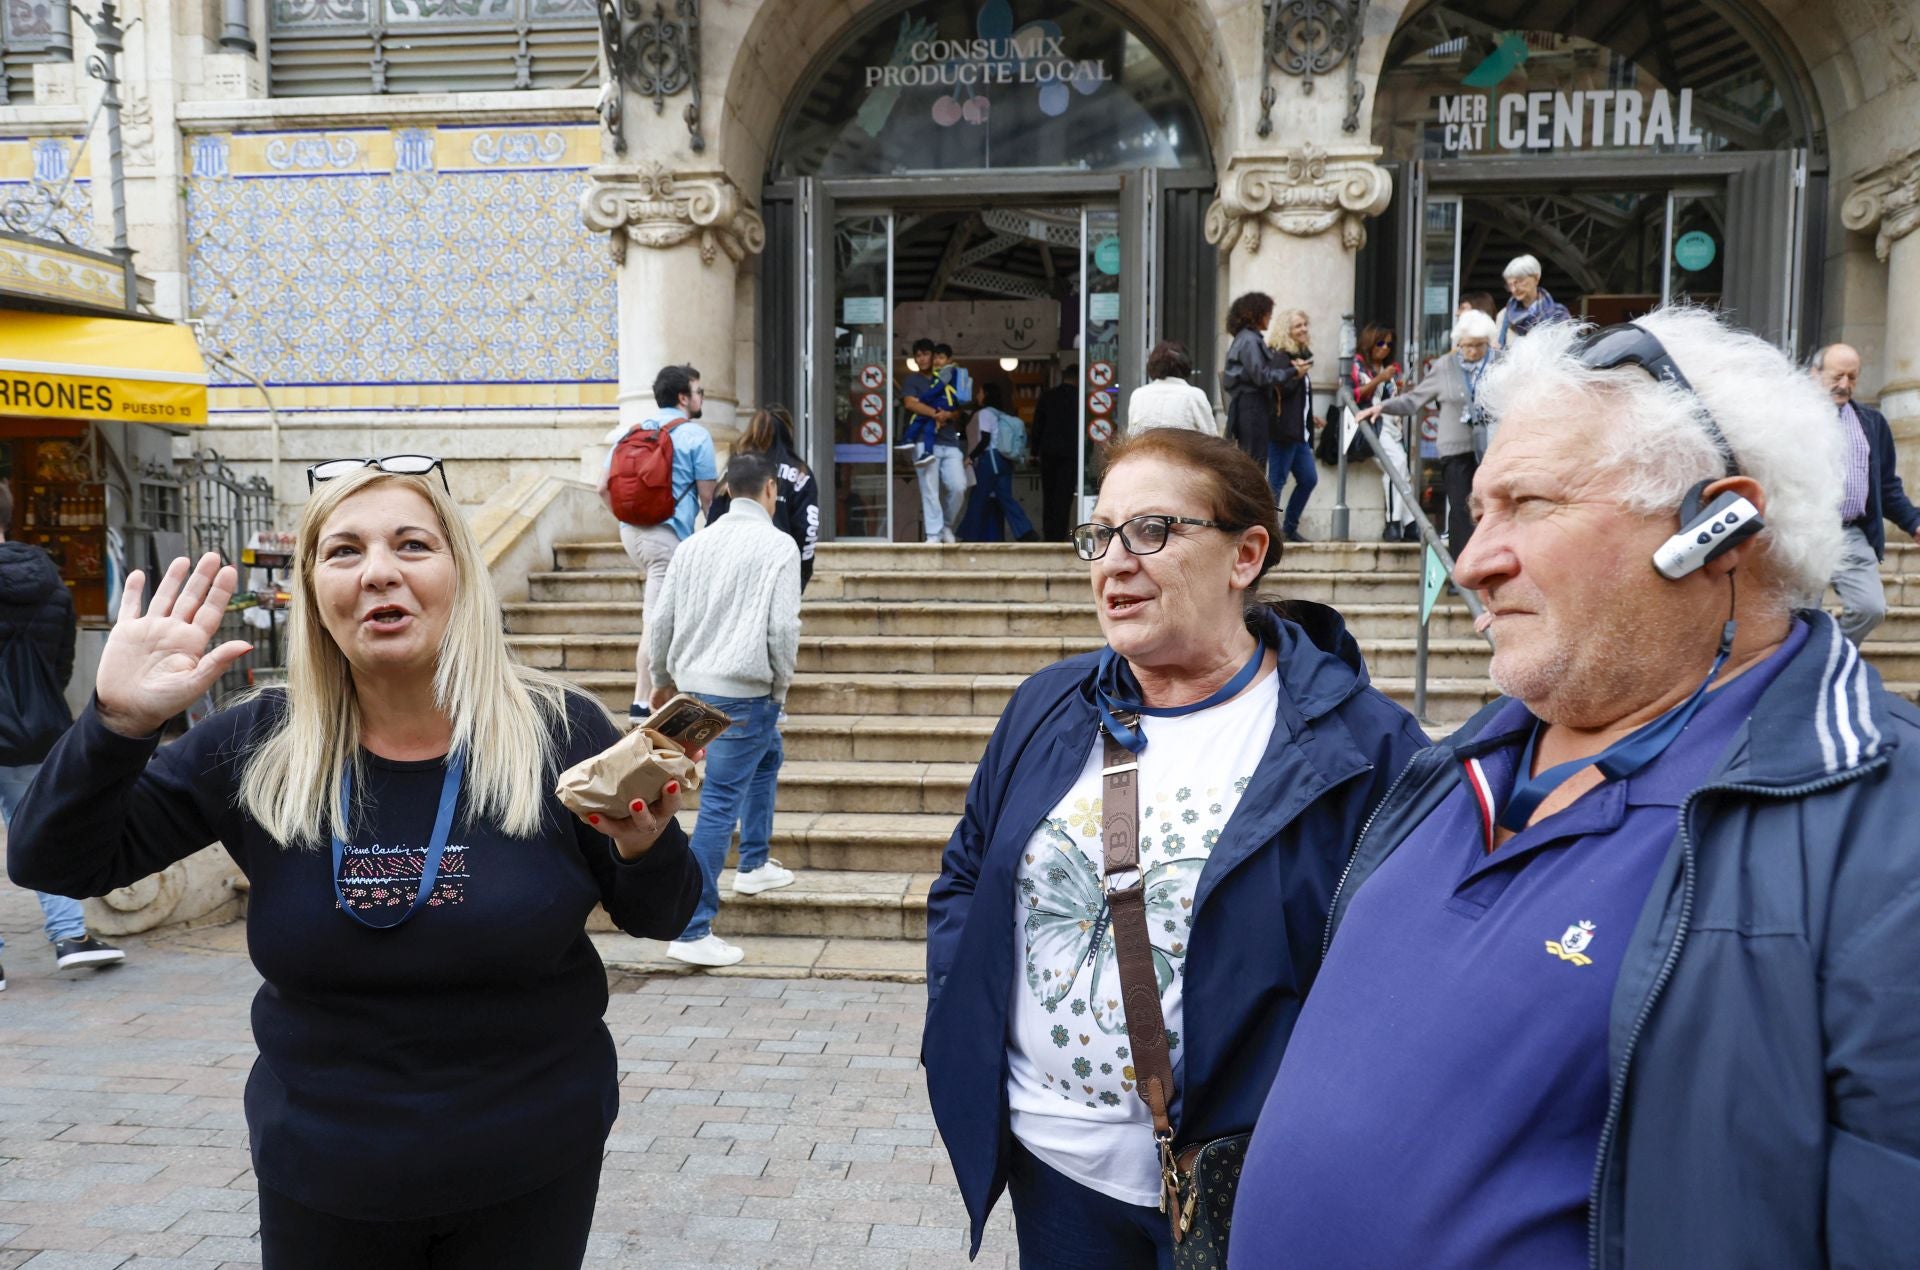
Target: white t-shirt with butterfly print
{"x": 1070, "y": 1079}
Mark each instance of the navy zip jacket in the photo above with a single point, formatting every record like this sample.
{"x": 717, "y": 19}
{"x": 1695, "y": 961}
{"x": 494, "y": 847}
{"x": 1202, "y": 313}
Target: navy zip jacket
{"x": 1886, "y": 496}
{"x": 1764, "y": 1040}
{"x": 1258, "y": 913}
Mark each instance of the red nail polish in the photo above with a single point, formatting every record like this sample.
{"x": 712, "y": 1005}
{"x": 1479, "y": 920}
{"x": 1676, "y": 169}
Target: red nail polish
{"x": 593, "y": 820}
{"x": 673, "y": 787}
{"x": 638, "y": 805}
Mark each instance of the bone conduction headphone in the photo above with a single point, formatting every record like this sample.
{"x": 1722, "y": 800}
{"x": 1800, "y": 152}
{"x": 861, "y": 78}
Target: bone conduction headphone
{"x": 1705, "y": 531}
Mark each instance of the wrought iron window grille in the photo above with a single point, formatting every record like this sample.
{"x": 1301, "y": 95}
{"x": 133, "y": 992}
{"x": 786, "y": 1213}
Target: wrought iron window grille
{"x": 1311, "y": 38}
{"x": 653, "y": 55}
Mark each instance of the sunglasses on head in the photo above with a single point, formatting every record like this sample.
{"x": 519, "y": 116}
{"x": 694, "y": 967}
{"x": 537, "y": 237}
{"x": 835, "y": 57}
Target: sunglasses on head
{"x": 392, "y": 465}
{"x": 1630, "y": 345}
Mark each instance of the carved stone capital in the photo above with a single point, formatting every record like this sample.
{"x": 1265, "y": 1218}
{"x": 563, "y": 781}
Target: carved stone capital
{"x": 1304, "y": 192}
{"x": 653, "y": 207}
{"x": 1886, "y": 199}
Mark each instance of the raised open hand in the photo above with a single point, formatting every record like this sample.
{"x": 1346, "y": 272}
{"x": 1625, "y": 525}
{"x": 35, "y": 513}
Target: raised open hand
{"x": 157, "y": 664}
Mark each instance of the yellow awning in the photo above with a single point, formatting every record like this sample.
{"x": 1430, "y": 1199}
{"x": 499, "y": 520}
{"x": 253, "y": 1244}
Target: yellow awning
{"x": 102, "y": 368}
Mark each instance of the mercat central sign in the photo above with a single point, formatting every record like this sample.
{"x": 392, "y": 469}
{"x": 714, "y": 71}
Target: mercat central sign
{"x": 1610, "y": 118}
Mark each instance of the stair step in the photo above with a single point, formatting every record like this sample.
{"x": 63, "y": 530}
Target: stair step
{"x": 773, "y": 957}
{"x": 839, "y": 787}
{"x": 905, "y": 695}
{"x": 863, "y": 737}
{"x": 832, "y": 904}
{"x": 900, "y": 654}
{"x": 855, "y": 842}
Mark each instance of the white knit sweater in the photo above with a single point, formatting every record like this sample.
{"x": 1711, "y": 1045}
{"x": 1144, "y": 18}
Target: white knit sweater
{"x": 727, "y": 620}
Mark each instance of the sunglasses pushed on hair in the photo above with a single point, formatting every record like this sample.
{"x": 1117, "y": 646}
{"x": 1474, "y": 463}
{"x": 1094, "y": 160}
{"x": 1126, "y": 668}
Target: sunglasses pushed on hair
{"x": 392, "y": 465}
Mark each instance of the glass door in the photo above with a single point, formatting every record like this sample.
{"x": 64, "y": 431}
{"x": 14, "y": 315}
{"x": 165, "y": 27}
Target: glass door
{"x": 862, "y": 376}
{"x": 1102, "y": 264}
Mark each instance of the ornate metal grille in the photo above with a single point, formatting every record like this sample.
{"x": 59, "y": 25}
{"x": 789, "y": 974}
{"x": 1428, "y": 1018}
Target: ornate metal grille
{"x": 30, "y": 31}
{"x": 321, "y": 47}
{"x": 1310, "y": 38}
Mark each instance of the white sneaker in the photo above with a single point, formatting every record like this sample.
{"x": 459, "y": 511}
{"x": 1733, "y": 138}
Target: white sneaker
{"x": 768, "y": 877}
{"x": 710, "y": 951}
{"x": 946, "y": 535}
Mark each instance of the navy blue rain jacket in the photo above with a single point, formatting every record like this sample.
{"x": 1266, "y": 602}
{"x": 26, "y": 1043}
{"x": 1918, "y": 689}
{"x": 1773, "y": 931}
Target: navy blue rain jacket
{"x": 1886, "y": 495}
{"x": 1259, "y": 911}
{"x": 1764, "y": 1040}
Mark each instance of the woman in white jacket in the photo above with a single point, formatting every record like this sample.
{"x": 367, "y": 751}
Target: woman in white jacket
{"x": 1169, "y": 399}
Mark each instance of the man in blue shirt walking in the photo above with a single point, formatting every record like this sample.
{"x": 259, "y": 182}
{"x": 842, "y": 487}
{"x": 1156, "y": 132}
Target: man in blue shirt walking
{"x": 1621, "y": 975}
{"x": 678, "y": 396}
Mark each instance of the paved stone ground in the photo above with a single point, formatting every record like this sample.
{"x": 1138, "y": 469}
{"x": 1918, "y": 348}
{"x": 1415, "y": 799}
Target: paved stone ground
{"x": 764, "y": 1122}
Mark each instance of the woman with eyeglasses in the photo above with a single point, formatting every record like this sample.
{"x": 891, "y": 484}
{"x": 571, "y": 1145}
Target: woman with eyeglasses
{"x": 1260, "y": 751}
{"x": 435, "y": 1083}
{"x": 1376, "y": 380}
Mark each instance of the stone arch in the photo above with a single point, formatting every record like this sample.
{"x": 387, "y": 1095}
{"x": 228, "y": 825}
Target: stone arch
{"x": 783, "y": 40}
{"x": 1813, "y": 47}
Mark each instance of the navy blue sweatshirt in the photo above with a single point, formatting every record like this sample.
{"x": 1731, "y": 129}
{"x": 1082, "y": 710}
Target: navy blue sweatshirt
{"x": 458, "y": 1060}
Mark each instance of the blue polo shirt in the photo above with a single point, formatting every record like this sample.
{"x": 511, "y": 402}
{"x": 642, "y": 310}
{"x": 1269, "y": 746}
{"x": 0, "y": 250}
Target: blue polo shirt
{"x": 1441, "y": 1098}
{"x": 693, "y": 460}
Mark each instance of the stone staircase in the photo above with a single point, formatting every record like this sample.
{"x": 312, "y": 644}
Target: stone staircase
{"x": 908, "y": 655}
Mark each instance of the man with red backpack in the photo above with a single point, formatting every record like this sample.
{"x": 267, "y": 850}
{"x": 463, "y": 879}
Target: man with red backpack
{"x": 659, "y": 478}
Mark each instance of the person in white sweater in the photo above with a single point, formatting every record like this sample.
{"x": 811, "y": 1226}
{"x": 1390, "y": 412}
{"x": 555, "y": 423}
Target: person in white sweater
{"x": 727, "y": 630}
{"x": 1169, "y": 398}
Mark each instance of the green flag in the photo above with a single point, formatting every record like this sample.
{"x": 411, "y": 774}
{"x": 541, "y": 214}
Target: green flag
{"x": 1432, "y": 584}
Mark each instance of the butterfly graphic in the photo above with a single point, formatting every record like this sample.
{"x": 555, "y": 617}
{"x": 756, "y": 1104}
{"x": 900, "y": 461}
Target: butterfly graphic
{"x": 1065, "y": 907}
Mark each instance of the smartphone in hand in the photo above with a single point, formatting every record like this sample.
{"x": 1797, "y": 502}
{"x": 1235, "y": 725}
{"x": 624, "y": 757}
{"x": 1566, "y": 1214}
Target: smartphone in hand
{"x": 689, "y": 722}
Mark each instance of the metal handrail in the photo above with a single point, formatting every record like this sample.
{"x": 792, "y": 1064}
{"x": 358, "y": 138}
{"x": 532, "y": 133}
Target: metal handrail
{"x": 1428, "y": 534}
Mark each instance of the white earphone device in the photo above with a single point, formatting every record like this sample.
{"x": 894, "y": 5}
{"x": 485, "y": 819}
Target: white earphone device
{"x": 1706, "y": 532}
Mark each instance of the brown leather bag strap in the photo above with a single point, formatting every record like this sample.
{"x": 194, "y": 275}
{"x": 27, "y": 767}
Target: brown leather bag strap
{"x": 1139, "y": 986}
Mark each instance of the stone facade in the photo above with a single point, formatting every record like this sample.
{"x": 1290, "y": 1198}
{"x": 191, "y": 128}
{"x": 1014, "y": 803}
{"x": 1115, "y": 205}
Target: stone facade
{"x": 488, "y": 276}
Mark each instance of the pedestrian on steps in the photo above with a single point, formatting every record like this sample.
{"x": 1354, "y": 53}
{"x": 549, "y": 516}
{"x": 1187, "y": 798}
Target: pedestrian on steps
{"x": 1290, "y": 452}
{"x": 798, "y": 512}
{"x": 1251, "y": 375}
{"x": 727, "y": 630}
{"x": 435, "y": 1083}
{"x": 1376, "y": 380}
{"x": 658, "y": 504}
{"x": 36, "y": 660}
{"x": 1261, "y": 750}
{"x": 1169, "y": 398}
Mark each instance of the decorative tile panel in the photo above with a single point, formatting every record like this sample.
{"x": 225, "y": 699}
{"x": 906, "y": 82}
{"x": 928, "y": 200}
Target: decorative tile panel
{"x": 33, "y": 170}
{"x": 410, "y": 268}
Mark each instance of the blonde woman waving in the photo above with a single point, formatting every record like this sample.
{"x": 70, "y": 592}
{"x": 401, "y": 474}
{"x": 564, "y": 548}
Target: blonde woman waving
{"x": 435, "y": 1083}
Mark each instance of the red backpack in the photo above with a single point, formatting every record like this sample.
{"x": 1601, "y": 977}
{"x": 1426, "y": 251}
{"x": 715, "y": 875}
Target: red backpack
{"x": 640, "y": 481}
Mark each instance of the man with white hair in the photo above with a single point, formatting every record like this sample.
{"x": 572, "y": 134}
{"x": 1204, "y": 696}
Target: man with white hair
{"x": 1622, "y": 973}
{"x": 1530, "y": 304}
{"x": 1872, "y": 493}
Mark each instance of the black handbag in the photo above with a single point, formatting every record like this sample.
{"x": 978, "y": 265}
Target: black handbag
{"x": 1198, "y": 1183}
{"x": 1327, "y": 448}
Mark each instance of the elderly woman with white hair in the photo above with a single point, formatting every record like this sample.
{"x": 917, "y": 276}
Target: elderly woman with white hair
{"x": 1453, "y": 384}
{"x": 435, "y": 1083}
{"x": 1530, "y": 304}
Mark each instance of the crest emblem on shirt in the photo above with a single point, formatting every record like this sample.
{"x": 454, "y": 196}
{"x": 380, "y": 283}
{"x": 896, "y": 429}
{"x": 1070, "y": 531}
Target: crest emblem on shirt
{"x": 1572, "y": 945}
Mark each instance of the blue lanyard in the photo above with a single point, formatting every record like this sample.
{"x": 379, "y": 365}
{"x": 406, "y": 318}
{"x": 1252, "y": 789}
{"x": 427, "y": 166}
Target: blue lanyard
{"x": 436, "y": 846}
{"x": 1109, "y": 699}
{"x": 1621, "y": 759}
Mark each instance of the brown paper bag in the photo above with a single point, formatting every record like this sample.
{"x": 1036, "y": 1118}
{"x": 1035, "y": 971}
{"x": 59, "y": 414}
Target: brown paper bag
{"x": 635, "y": 768}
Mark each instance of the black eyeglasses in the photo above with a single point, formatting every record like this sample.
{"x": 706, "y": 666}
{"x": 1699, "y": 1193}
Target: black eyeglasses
{"x": 1143, "y": 535}
{"x": 1630, "y": 345}
{"x": 392, "y": 465}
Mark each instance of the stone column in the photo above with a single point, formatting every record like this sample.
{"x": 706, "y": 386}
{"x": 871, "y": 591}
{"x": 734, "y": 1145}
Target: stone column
{"x": 1885, "y": 201}
{"x": 1288, "y": 223}
{"x": 678, "y": 239}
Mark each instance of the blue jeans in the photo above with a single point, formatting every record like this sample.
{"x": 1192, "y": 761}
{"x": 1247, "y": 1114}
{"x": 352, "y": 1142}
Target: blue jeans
{"x": 993, "y": 498}
{"x": 1063, "y": 1225}
{"x": 1296, "y": 458}
{"x": 65, "y": 918}
{"x": 743, "y": 765}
